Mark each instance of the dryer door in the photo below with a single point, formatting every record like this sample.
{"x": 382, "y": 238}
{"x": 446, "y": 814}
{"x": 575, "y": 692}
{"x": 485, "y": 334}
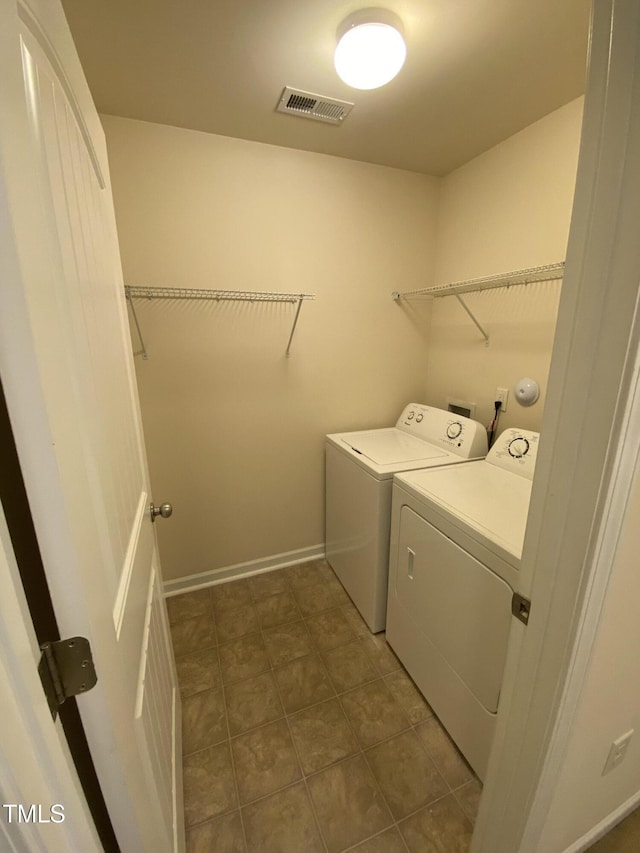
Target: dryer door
{"x": 456, "y": 603}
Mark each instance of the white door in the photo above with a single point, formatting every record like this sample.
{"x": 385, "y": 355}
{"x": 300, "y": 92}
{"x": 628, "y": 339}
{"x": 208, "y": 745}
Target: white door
{"x": 67, "y": 370}
{"x": 36, "y": 770}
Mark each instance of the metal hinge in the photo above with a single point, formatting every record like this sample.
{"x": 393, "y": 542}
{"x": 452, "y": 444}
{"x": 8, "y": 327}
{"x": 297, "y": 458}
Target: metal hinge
{"x": 521, "y": 607}
{"x": 66, "y": 669}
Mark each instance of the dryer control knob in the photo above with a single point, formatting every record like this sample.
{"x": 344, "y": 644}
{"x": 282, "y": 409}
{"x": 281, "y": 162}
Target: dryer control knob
{"x": 454, "y": 429}
{"x": 519, "y": 447}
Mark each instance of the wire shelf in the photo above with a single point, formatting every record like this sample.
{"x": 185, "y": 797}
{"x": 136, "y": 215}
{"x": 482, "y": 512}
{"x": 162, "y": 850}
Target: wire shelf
{"x": 134, "y": 292}
{"x": 550, "y": 272}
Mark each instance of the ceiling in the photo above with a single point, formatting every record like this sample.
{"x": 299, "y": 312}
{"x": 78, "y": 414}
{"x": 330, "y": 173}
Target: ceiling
{"x": 477, "y": 71}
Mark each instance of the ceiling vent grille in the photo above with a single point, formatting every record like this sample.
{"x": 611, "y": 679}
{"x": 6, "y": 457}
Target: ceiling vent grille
{"x": 308, "y": 105}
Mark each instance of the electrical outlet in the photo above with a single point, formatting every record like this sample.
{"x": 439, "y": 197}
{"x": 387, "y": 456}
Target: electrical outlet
{"x": 617, "y": 752}
{"x": 502, "y": 394}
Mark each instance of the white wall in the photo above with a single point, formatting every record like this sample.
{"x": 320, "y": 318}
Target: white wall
{"x": 234, "y": 431}
{"x": 609, "y": 705}
{"x": 505, "y": 210}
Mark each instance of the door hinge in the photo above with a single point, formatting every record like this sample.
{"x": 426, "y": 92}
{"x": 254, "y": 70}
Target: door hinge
{"x": 521, "y": 607}
{"x": 66, "y": 669}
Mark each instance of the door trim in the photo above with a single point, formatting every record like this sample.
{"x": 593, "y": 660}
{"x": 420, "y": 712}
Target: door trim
{"x": 13, "y": 498}
{"x": 590, "y": 385}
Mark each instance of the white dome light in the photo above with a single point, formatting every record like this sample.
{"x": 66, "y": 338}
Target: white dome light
{"x": 371, "y": 49}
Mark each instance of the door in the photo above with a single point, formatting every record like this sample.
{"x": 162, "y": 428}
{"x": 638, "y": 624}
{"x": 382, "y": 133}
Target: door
{"x": 36, "y": 770}
{"x": 66, "y": 366}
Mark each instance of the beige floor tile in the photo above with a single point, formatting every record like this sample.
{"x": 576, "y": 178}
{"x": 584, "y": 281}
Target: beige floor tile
{"x": 338, "y": 592}
{"x": 243, "y": 658}
{"x": 304, "y": 574}
{"x": 288, "y": 642}
{"x": 329, "y": 629}
{"x": 303, "y": 682}
{"x": 236, "y": 622}
{"x": 252, "y": 703}
{"x": 349, "y": 666}
{"x": 204, "y": 721}
{"x": 381, "y": 653}
{"x": 406, "y": 775}
{"x": 264, "y": 761}
{"x": 444, "y": 753}
{"x": 282, "y": 823}
{"x": 402, "y": 687}
{"x": 277, "y": 609}
{"x": 323, "y": 646}
{"x": 325, "y": 569}
{"x": 439, "y": 828}
{"x": 356, "y": 621}
{"x": 198, "y": 671}
{"x": 322, "y": 735}
{"x": 469, "y": 798}
{"x": 197, "y": 603}
{"x": 227, "y": 596}
{"x": 269, "y": 583}
{"x": 348, "y": 803}
{"x": 193, "y": 635}
{"x": 221, "y": 835}
{"x": 209, "y": 788}
{"x": 314, "y": 598}
{"x": 387, "y": 842}
{"x": 373, "y": 713}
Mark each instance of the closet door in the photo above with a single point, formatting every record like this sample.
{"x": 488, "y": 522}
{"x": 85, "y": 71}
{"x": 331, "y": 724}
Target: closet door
{"x": 67, "y": 370}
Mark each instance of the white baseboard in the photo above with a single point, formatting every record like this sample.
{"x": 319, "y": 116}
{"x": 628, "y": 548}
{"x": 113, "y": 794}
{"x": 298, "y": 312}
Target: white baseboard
{"x": 243, "y": 570}
{"x": 606, "y": 825}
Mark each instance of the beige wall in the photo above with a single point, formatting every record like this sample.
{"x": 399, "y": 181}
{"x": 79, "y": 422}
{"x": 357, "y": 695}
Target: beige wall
{"x": 234, "y": 430}
{"x": 507, "y": 209}
{"x": 609, "y": 705}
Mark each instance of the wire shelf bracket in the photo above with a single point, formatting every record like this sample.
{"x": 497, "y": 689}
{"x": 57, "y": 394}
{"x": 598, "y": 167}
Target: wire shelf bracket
{"x": 550, "y": 272}
{"x": 134, "y": 292}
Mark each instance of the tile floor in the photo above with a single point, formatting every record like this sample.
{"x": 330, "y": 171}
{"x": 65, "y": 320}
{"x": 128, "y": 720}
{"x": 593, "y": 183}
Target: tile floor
{"x": 301, "y": 730}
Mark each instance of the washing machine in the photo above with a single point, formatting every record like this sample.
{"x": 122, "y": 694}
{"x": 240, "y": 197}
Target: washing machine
{"x": 456, "y": 543}
{"x": 359, "y": 477}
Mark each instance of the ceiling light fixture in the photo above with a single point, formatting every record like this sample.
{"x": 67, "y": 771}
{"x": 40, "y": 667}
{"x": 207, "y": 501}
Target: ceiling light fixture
{"x": 371, "y": 48}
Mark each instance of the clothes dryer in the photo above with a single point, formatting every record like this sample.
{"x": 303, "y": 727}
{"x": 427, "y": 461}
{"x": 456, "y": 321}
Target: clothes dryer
{"x": 359, "y": 474}
{"x": 456, "y": 543}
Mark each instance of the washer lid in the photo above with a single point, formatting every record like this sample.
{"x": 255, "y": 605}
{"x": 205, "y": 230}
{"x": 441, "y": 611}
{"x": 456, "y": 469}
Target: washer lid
{"x": 391, "y": 446}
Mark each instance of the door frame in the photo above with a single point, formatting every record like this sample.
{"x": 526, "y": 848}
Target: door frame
{"x": 19, "y": 522}
{"x": 583, "y": 474}
{"x": 35, "y": 762}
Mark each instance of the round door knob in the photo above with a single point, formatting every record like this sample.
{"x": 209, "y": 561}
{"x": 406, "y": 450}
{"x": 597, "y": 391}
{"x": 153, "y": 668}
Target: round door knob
{"x": 165, "y": 510}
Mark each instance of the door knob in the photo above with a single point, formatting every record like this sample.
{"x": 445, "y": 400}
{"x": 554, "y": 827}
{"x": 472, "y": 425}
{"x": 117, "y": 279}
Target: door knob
{"x": 165, "y": 511}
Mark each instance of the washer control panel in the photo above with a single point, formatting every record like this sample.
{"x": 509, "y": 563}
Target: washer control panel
{"x": 516, "y": 450}
{"x": 454, "y": 433}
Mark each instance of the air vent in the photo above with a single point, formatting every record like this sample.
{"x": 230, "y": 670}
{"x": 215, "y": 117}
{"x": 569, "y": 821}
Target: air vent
{"x": 296, "y": 102}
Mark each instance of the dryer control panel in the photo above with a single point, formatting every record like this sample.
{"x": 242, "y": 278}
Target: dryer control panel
{"x": 455, "y": 433}
{"x": 516, "y": 450}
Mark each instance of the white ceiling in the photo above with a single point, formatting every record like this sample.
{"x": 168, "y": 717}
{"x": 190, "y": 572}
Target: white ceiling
{"x": 477, "y": 71}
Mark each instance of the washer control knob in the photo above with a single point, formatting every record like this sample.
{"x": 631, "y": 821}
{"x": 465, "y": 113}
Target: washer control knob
{"x": 411, "y": 416}
{"x": 454, "y": 429}
{"x": 419, "y": 418}
{"x": 519, "y": 447}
